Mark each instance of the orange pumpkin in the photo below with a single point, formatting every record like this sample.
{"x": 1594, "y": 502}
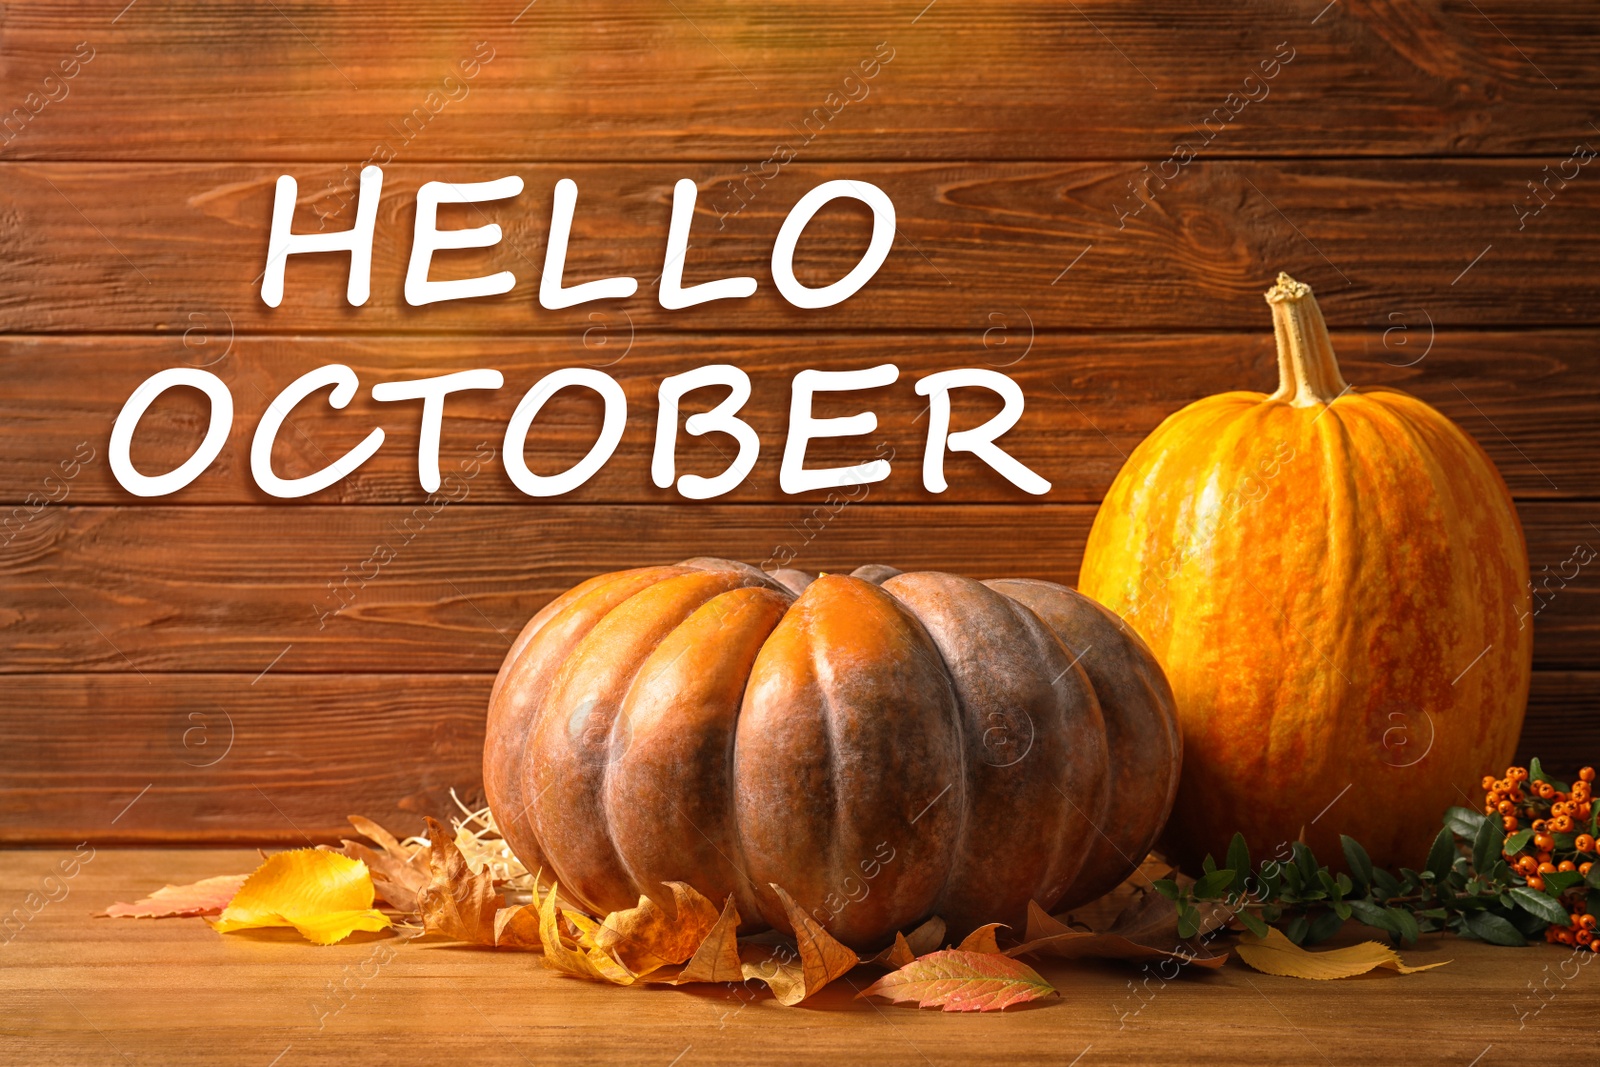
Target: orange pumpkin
{"x": 1336, "y": 583}
{"x": 884, "y": 746}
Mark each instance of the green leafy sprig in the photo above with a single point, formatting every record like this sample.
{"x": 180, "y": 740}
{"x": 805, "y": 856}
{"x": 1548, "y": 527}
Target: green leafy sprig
{"x": 1467, "y": 885}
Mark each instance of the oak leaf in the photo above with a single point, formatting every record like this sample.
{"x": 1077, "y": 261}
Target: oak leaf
{"x": 399, "y": 872}
{"x": 456, "y": 903}
{"x": 795, "y": 975}
{"x": 205, "y": 897}
{"x": 323, "y": 895}
{"x": 957, "y": 980}
{"x": 1276, "y": 954}
{"x": 1147, "y": 929}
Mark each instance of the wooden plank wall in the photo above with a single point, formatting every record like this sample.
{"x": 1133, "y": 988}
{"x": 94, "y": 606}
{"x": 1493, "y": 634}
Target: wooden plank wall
{"x": 184, "y": 668}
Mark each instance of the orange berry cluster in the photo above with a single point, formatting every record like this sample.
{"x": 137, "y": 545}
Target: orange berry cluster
{"x": 1549, "y": 812}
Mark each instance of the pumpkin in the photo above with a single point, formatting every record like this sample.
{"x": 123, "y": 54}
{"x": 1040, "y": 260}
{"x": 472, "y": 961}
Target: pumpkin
{"x": 883, "y": 746}
{"x": 1336, "y": 583}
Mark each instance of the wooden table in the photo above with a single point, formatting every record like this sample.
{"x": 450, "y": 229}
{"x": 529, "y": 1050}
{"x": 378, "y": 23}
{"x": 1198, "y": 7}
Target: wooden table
{"x": 85, "y": 990}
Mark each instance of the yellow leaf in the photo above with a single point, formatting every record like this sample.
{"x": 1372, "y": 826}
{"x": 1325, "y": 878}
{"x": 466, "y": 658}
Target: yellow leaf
{"x": 587, "y": 928}
{"x": 1276, "y": 954}
{"x": 322, "y": 894}
{"x": 593, "y": 963}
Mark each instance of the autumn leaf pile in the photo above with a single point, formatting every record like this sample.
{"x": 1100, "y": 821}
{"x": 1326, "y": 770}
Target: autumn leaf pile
{"x": 464, "y": 884}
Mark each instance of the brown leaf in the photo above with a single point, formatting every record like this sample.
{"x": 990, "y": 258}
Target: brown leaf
{"x": 1276, "y": 954}
{"x": 981, "y": 939}
{"x": 1100, "y": 913}
{"x": 205, "y": 897}
{"x": 591, "y": 963}
{"x": 456, "y": 903}
{"x": 645, "y": 938}
{"x": 517, "y": 927}
{"x": 399, "y": 872}
{"x": 927, "y": 937}
{"x": 897, "y": 955}
{"x": 956, "y": 980}
{"x": 717, "y": 958}
{"x": 796, "y": 975}
{"x": 1146, "y": 930}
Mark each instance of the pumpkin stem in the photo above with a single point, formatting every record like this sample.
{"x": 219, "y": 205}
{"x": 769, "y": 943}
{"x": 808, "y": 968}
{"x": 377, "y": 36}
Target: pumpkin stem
{"x": 1308, "y": 373}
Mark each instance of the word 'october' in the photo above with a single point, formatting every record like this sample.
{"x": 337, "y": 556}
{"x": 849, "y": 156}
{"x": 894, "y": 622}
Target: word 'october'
{"x": 794, "y": 476}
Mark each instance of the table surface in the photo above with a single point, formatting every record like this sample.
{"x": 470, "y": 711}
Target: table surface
{"x": 84, "y": 990}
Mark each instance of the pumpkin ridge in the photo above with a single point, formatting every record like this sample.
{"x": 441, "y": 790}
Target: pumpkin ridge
{"x": 582, "y": 784}
{"x": 741, "y": 605}
{"x": 512, "y": 723}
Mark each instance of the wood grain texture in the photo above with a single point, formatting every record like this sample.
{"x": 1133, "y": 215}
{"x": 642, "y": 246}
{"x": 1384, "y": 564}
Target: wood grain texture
{"x": 1528, "y": 397}
{"x": 82, "y": 990}
{"x": 282, "y": 757}
{"x": 724, "y": 80}
{"x": 394, "y": 588}
{"x": 141, "y": 248}
{"x": 236, "y": 757}
{"x": 1386, "y": 165}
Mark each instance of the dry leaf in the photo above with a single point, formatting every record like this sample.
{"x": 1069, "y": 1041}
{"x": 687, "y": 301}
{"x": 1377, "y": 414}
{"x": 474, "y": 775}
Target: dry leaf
{"x": 645, "y": 938}
{"x": 205, "y": 897}
{"x": 981, "y": 939}
{"x": 1100, "y": 913}
{"x": 399, "y": 872}
{"x": 717, "y": 958}
{"x": 591, "y": 963}
{"x": 907, "y": 947}
{"x": 586, "y": 927}
{"x": 517, "y": 927}
{"x": 322, "y": 894}
{"x": 927, "y": 937}
{"x": 956, "y": 980}
{"x": 456, "y": 902}
{"x": 897, "y": 955}
{"x": 1147, "y": 929}
{"x": 1276, "y": 954}
{"x": 793, "y": 977}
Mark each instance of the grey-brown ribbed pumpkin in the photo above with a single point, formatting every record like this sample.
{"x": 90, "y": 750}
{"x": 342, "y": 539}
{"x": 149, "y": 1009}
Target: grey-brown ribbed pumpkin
{"x": 884, "y": 746}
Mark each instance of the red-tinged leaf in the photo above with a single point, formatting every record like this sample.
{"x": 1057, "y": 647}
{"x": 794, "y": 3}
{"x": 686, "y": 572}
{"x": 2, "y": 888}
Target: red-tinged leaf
{"x": 205, "y": 897}
{"x": 955, "y": 980}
